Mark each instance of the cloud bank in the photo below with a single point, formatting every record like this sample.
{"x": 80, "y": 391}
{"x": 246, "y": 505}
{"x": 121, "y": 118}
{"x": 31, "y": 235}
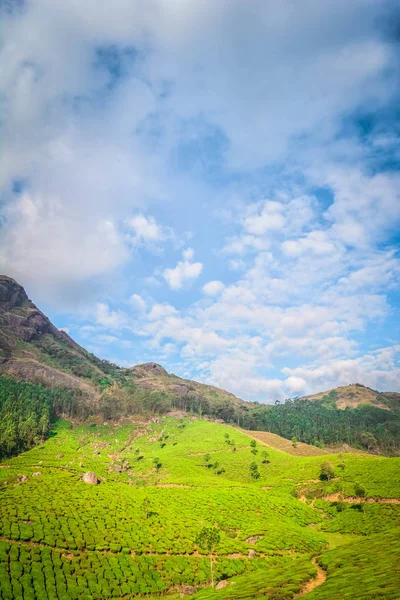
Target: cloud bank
{"x": 213, "y": 185}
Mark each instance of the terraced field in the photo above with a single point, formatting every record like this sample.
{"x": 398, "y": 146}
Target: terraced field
{"x": 136, "y": 533}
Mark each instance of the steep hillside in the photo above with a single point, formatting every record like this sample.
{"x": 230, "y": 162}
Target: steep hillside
{"x": 33, "y": 349}
{"x": 356, "y": 394}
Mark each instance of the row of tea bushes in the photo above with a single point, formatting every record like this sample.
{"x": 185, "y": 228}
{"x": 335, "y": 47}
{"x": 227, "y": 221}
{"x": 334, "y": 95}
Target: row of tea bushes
{"x": 75, "y": 516}
{"x": 34, "y": 573}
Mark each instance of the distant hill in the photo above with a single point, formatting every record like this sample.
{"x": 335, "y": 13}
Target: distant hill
{"x": 356, "y": 394}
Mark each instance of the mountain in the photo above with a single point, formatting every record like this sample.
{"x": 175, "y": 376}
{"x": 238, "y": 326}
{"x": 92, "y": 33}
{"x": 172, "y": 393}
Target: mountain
{"x": 356, "y": 394}
{"x": 81, "y": 386}
{"x": 33, "y": 349}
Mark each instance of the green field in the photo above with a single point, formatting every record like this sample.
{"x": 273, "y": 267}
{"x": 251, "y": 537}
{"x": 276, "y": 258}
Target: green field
{"x": 135, "y": 534}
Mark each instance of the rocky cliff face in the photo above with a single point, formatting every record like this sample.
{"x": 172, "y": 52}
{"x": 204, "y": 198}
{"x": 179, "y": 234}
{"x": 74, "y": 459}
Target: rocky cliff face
{"x": 30, "y": 345}
{"x": 20, "y": 319}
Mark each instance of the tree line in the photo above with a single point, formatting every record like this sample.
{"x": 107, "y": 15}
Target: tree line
{"x": 26, "y": 411}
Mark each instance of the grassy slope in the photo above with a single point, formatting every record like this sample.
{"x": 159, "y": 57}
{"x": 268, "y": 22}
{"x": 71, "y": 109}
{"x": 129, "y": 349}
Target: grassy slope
{"x": 135, "y": 533}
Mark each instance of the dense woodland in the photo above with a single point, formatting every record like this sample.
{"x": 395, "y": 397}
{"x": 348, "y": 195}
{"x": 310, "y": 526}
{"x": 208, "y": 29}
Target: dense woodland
{"x": 321, "y": 423}
{"x": 26, "y": 411}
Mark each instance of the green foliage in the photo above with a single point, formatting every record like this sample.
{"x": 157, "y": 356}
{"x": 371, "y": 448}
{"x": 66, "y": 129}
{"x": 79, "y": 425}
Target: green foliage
{"x": 327, "y": 471}
{"x": 321, "y": 423}
{"x": 368, "y": 569}
{"x": 254, "y": 472}
{"x": 157, "y": 463}
{"x": 25, "y": 414}
{"x": 359, "y": 490}
{"x": 135, "y": 534}
{"x": 208, "y": 538}
{"x": 265, "y": 457}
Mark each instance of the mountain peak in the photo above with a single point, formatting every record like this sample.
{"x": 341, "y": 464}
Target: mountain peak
{"x": 12, "y": 294}
{"x": 148, "y": 369}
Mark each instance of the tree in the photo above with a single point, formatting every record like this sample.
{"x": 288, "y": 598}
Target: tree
{"x": 361, "y": 493}
{"x": 265, "y": 456}
{"x": 207, "y": 458}
{"x": 327, "y": 473}
{"x": 253, "y": 445}
{"x": 368, "y": 440}
{"x": 157, "y": 463}
{"x": 208, "y": 539}
{"x": 294, "y": 442}
{"x": 254, "y": 472}
{"x": 146, "y": 507}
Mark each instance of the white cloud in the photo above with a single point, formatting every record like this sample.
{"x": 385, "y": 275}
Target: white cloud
{"x": 91, "y": 148}
{"x": 41, "y": 233}
{"x": 213, "y": 288}
{"x": 316, "y": 241}
{"x": 184, "y": 272}
{"x": 379, "y": 369}
{"x": 109, "y": 319}
{"x": 295, "y": 384}
{"x": 137, "y": 303}
{"x": 270, "y": 217}
{"x": 159, "y": 311}
{"x": 147, "y": 230}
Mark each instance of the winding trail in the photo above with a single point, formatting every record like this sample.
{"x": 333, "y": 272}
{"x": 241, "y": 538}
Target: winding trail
{"x": 313, "y": 583}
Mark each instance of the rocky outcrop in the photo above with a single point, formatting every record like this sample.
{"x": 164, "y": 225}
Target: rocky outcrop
{"x": 90, "y": 477}
{"x": 221, "y": 584}
{"x": 148, "y": 369}
{"x": 188, "y": 590}
{"x": 20, "y": 319}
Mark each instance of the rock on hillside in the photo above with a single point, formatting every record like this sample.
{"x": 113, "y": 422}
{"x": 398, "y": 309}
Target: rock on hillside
{"x": 90, "y": 477}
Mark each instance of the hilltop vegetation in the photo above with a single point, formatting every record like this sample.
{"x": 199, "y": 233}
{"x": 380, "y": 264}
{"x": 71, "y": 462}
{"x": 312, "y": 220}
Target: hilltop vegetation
{"x": 321, "y": 422}
{"x": 160, "y": 483}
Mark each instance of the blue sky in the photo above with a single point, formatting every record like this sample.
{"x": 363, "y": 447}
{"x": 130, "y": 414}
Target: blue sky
{"x": 214, "y": 186}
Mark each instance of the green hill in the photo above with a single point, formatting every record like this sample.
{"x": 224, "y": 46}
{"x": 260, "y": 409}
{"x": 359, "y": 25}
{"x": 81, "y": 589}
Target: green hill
{"x": 160, "y": 483}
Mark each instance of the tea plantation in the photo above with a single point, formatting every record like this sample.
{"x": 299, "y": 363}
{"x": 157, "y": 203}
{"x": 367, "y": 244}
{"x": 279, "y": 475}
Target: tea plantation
{"x": 280, "y": 532}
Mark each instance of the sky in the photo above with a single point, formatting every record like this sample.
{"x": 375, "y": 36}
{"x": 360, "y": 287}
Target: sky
{"x": 214, "y": 186}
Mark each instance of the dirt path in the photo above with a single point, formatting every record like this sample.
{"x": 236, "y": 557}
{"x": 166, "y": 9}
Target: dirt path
{"x": 357, "y": 500}
{"x": 272, "y": 440}
{"x": 313, "y": 583}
